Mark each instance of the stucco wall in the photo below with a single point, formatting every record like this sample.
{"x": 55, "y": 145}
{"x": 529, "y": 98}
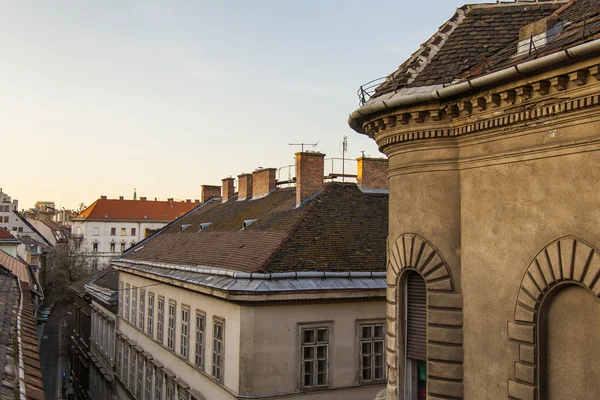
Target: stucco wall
{"x": 182, "y": 368}
{"x": 270, "y": 346}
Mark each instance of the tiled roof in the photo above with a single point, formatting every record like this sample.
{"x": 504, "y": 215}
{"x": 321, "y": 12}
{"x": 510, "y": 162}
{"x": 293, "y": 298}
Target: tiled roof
{"x": 14, "y": 265}
{"x": 30, "y": 226}
{"x": 341, "y": 229}
{"x": 136, "y": 210}
{"x": 461, "y": 43}
{"x": 108, "y": 279}
{"x": 10, "y": 352}
{"x": 5, "y": 235}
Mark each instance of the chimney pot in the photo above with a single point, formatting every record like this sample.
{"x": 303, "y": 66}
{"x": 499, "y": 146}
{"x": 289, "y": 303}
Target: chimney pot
{"x": 372, "y": 173}
{"x": 120, "y": 197}
{"x": 210, "y": 191}
{"x": 188, "y": 200}
{"x": 143, "y": 198}
{"x": 197, "y": 201}
{"x": 310, "y": 170}
{"x": 244, "y": 186}
{"x": 228, "y": 189}
{"x": 103, "y": 197}
{"x": 170, "y": 199}
{"x": 264, "y": 181}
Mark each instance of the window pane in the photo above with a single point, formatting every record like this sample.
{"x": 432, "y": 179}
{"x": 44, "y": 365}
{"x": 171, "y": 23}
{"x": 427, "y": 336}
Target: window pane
{"x": 366, "y": 332}
{"x": 378, "y": 347}
{"x": 309, "y": 352}
{"x": 379, "y": 331}
{"x": 321, "y": 379}
{"x": 321, "y": 366}
{"x": 379, "y": 373}
{"x": 309, "y": 336}
{"x": 322, "y": 335}
{"x": 322, "y": 351}
{"x": 366, "y": 348}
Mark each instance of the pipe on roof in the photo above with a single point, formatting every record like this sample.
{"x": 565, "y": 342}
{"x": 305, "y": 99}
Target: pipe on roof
{"x": 523, "y": 68}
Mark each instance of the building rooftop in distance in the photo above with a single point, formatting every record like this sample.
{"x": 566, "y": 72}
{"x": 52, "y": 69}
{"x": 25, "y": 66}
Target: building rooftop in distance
{"x": 105, "y": 209}
{"x": 341, "y": 229}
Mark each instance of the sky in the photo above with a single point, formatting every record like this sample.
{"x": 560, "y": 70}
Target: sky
{"x": 101, "y": 97}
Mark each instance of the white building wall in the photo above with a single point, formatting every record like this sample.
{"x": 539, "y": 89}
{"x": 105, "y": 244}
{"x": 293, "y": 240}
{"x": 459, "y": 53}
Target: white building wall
{"x": 100, "y": 232}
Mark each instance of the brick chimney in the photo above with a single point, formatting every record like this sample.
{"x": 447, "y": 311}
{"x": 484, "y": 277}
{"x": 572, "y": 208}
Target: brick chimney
{"x": 143, "y": 198}
{"x": 244, "y": 186}
{"x": 372, "y": 173}
{"x": 263, "y": 182}
{"x": 210, "y": 191}
{"x": 103, "y": 197}
{"x": 227, "y": 189}
{"x": 310, "y": 170}
{"x": 120, "y": 197}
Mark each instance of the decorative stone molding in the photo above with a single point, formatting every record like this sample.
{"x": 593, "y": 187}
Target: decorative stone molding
{"x": 410, "y": 252}
{"x": 566, "y": 260}
{"x": 490, "y": 109}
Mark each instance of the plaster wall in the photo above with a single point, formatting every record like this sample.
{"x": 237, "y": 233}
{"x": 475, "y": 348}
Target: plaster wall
{"x": 181, "y": 367}
{"x": 270, "y": 348}
{"x": 10, "y": 249}
{"x": 509, "y": 213}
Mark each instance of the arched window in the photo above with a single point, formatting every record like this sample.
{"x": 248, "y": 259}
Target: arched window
{"x": 416, "y": 337}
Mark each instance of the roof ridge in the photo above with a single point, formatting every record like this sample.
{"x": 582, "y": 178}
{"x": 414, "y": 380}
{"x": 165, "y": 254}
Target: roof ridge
{"x": 307, "y": 208}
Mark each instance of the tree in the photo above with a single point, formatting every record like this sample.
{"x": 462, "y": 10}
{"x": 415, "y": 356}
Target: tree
{"x": 68, "y": 264}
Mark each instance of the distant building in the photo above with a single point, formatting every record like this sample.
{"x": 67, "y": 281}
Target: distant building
{"x": 92, "y": 349}
{"x": 110, "y": 226}
{"x": 268, "y": 293}
{"x": 9, "y": 243}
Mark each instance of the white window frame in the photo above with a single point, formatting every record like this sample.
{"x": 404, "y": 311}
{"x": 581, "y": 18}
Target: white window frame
{"x": 120, "y": 299}
{"x": 172, "y": 322}
{"x": 158, "y": 383}
{"x": 142, "y": 306}
{"x": 133, "y": 314}
{"x": 314, "y": 357}
{"x": 200, "y": 339}
{"x": 184, "y": 345}
{"x": 140, "y": 376}
{"x": 160, "y": 320}
{"x": 218, "y": 353}
{"x": 127, "y": 295}
{"x": 150, "y": 326}
{"x": 367, "y": 343}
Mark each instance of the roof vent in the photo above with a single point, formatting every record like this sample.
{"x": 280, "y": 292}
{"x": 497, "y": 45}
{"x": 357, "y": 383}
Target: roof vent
{"x": 538, "y": 34}
{"x": 138, "y": 249}
{"x": 248, "y": 222}
{"x": 183, "y": 226}
{"x": 204, "y": 225}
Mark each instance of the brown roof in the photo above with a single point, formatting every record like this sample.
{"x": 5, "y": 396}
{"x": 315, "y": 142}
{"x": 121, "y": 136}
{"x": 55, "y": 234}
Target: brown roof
{"x": 483, "y": 38}
{"x": 14, "y": 265}
{"x": 136, "y": 210}
{"x": 341, "y": 229}
{"x": 9, "y": 352}
{"x": 5, "y": 235}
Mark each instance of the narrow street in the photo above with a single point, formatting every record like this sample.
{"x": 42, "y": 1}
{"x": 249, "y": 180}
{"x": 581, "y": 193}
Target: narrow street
{"x": 50, "y": 354}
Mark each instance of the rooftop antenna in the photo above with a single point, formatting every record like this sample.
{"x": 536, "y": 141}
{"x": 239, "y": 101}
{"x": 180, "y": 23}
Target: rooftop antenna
{"x": 304, "y": 144}
{"x": 344, "y": 150}
{"x": 134, "y": 193}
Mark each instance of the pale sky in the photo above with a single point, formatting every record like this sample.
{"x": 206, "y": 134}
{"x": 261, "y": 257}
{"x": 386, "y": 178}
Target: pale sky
{"x": 101, "y": 97}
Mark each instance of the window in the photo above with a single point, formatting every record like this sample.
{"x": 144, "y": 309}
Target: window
{"x": 171, "y": 327}
{"x": 200, "y": 318}
{"x": 182, "y": 393}
{"x": 133, "y": 231}
{"x": 217, "y": 365}
{"x": 122, "y": 247}
{"x": 142, "y": 318}
{"x": 148, "y": 380}
{"x": 96, "y": 231}
{"x": 170, "y": 390}
{"x": 119, "y": 360}
{"x": 150, "y": 314}
{"x": 94, "y": 263}
{"x": 125, "y": 375}
{"x": 113, "y": 247}
{"x": 21, "y": 229}
{"x": 372, "y": 352}
{"x": 126, "y": 313}
{"x": 120, "y": 299}
{"x": 133, "y": 305}
{"x": 123, "y": 231}
{"x": 315, "y": 356}
{"x": 158, "y": 384}
{"x": 132, "y": 359}
{"x": 95, "y": 247}
{"x": 113, "y": 231}
{"x": 140, "y": 376}
{"x": 185, "y": 332}
{"x": 160, "y": 319}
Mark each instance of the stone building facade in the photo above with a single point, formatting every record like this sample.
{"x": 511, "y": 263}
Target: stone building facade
{"x": 494, "y": 163}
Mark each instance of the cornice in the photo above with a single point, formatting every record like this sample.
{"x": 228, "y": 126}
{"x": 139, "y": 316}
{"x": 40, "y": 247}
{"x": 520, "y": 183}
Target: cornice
{"x": 513, "y": 105}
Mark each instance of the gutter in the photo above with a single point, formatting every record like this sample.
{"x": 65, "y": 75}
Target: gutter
{"x": 22, "y": 387}
{"x": 521, "y": 69}
{"x": 254, "y": 275}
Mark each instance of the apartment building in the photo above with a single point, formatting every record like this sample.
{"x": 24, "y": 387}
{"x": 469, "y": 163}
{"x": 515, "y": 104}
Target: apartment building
{"x": 110, "y": 226}
{"x": 492, "y": 132}
{"x": 266, "y": 293}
